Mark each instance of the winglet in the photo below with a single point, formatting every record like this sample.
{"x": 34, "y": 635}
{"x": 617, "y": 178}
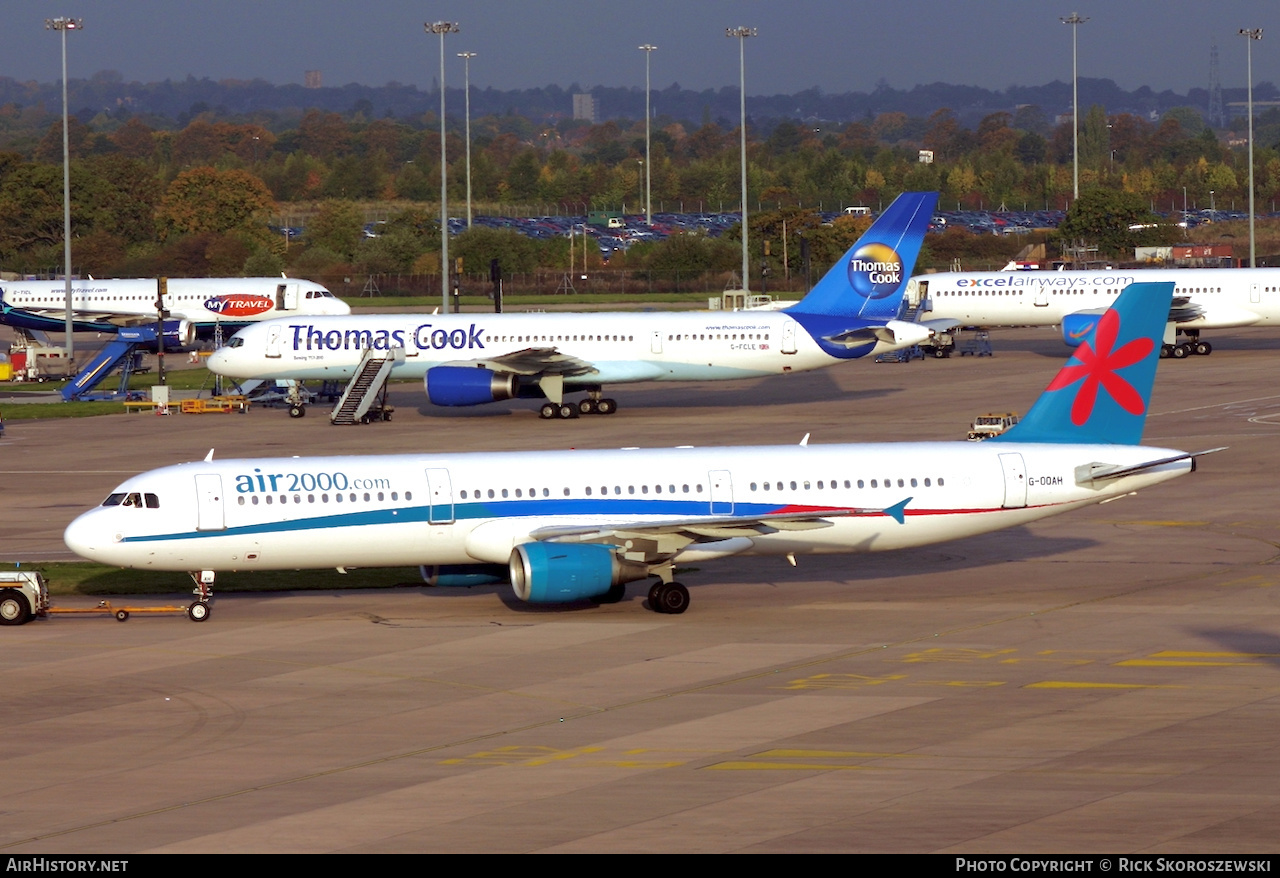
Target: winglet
{"x": 898, "y": 511}
{"x": 1102, "y": 394}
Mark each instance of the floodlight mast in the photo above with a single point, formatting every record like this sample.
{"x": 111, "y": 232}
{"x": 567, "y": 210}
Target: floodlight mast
{"x": 1075, "y": 20}
{"x": 648, "y": 192}
{"x": 741, "y": 33}
{"x": 1251, "y": 34}
{"x": 442, "y": 28}
{"x": 62, "y": 25}
{"x": 466, "y": 80}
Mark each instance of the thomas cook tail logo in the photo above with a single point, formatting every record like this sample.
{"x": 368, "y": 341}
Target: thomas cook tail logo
{"x": 875, "y": 271}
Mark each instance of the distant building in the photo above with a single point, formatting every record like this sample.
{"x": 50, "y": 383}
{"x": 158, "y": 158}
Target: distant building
{"x": 584, "y": 107}
{"x": 311, "y": 79}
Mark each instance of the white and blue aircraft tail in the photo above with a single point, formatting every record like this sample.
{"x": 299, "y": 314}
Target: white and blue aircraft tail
{"x": 578, "y": 525}
{"x": 474, "y": 359}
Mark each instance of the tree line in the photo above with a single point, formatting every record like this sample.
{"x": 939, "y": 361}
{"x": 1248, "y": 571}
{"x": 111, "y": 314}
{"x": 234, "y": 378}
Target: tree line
{"x": 210, "y": 196}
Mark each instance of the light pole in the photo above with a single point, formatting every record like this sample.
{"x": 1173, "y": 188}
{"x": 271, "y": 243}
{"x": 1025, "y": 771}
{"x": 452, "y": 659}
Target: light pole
{"x": 63, "y": 25}
{"x": 648, "y": 192}
{"x": 1251, "y": 34}
{"x": 741, "y": 33}
{"x": 442, "y": 28}
{"x": 466, "y": 66}
{"x": 1075, "y": 21}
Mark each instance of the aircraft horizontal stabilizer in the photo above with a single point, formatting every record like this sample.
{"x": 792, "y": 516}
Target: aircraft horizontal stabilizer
{"x": 1089, "y": 473}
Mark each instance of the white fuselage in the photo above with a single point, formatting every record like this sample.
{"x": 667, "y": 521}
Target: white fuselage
{"x": 614, "y": 347}
{"x": 203, "y": 302}
{"x": 1218, "y": 298}
{"x": 399, "y": 510}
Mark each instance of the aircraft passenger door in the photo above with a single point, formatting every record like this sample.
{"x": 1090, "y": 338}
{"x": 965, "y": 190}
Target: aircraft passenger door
{"x": 655, "y": 342}
{"x": 721, "y": 492}
{"x": 274, "y": 333}
{"x": 789, "y": 337}
{"x": 209, "y": 509}
{"x": 287, "y": 297}
{"x": 1255, "y": 293}
{"x": 1015, "y": 481}
{"x": 441, "y": 490}
{"x": 1042, "y": 298}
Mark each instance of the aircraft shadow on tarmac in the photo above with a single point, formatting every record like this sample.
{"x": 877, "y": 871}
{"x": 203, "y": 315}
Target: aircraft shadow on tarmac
{"x": 1018, "y": 544}
{"x": 1252, "y": 645}
{"x": 748, "y": 393}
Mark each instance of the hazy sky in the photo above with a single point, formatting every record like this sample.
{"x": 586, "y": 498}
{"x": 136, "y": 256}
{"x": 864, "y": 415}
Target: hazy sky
{"x": 837, "y": 45}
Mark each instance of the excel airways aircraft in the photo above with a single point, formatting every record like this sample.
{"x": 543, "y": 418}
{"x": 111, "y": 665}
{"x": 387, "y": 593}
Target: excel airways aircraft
{"x": 196, "y": 305}
{"x": 578, "y": 525}
{"x": 1203, "y": 298}
{"x": 470, "y": 360}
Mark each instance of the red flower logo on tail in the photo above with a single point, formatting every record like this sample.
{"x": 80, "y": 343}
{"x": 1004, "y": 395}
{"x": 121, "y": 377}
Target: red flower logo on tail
{"x": 1099, "y": 368}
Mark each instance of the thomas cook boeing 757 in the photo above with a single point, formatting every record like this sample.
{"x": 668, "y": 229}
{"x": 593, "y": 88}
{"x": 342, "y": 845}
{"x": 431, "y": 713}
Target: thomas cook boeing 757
{"x": 578, "y": 525}
{"x": 468, "y": 360}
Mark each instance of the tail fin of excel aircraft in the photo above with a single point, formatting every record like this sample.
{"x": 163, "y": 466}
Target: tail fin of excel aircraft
{"x": 870, "y": 280}
{"x": 1102, "y": 394}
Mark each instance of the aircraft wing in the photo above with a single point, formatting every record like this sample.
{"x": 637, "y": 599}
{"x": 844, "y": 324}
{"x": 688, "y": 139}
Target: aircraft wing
{"x": 534, "y": 361}
{"x": 651, "y": 541}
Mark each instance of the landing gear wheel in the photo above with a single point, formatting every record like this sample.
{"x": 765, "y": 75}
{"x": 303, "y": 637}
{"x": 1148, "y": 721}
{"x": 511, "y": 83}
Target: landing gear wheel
{"x": 606, "y": 406}
{"x": 567, "y": 411}
{"x": 587, "y": 407}
{"x": 297, "y": 411}
{"x": 671, "y": 598}
{"x": 548, "y": 411}
{"x": 939, "y": 353}
{"x": 198, "y": 611}
{"x": 613, "y": 595}
{"x": 1166, "y": 351}
{"x": 122, "y": 615}
{"x": 14, "y": 609}
{"x": 1180, "y": 351}
{"x": 1203, "y": 348}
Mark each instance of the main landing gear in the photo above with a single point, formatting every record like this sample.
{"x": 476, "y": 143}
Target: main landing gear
{"x": 668, "y": 597}
{"x": 1193, "y": 345}
{"x": 594, "y": 404}
{"x": 201, "y": 607}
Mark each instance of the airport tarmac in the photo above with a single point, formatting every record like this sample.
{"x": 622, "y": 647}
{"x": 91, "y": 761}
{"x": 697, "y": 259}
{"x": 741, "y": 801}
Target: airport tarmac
{"x": 1103, "y": 681}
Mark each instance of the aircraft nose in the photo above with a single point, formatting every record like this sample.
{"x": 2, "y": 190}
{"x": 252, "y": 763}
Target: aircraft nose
{"x": 221, "y": 361}
{"x": 82, "y": 537}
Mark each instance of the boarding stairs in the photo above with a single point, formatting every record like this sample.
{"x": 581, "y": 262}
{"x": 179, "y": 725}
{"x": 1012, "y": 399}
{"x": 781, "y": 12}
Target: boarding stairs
{"x": 122, "y": 352}
{"x": 366, "y": 386}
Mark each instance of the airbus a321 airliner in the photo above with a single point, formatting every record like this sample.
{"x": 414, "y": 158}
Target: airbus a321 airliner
{"x": 196, "y": 305}
{"x": 468, "y": 359}
{"x": 1203, "y": 298}
{"x": 578, "y": 525}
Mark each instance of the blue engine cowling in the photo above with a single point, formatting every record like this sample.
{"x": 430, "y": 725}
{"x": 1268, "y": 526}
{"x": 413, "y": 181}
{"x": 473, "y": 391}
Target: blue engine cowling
{"x": 467, "y": 385}
{"x": 559, "y": 572}
{"x": 462, "y": 575}
{"x": 178, "y": 335}
{"x": 1076, "y": 327}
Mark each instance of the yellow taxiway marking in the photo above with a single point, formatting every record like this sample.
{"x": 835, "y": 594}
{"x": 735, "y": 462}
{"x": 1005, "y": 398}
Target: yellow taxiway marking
{"x": 974, "y": 684}
{"x": 841, "y": 681}
{"x": 956, "y": 655}
{"x": 1171, "y": 653}
{"x": 1185, "y": 659}
{"x": 1169, "y": 663}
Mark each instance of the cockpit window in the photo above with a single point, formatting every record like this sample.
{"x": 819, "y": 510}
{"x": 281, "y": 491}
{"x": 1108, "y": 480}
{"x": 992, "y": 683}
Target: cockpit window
{"x": 236, "y": 341}
{"x": 135, "y": 500}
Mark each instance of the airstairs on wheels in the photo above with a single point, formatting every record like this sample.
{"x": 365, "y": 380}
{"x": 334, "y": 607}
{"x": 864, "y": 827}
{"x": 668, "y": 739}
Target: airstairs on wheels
{"x": 366, "y": 387}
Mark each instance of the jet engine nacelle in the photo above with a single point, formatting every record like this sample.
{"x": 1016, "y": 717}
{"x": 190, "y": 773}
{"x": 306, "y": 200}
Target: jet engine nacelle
{"x": 559, "y": 572}
{"x": 1076, "y": 327}
{"x": 466, "y": 385}
{"x": 178, "y": 335}
{"x": 462, "y": 575}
